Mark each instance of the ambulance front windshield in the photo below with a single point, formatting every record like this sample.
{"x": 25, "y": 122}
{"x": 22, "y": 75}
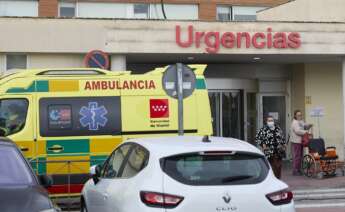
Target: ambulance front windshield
{"x": 12, "y": 115}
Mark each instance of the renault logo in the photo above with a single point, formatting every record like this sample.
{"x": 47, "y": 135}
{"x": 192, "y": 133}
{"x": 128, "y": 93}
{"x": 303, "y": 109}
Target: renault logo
{"x": 227, "y": 198}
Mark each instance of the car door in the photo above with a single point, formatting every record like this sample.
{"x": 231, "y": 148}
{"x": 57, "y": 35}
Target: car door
{"x": 98, "y": 194}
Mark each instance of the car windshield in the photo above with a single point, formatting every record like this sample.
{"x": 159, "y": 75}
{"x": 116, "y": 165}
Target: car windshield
{"x": 216, "y": 169}
{"x": 12, "y": 115}
{"x": 13, "y": 169}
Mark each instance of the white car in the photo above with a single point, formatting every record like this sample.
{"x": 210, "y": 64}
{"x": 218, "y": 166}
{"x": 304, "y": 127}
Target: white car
{"x": 185, "y": 173}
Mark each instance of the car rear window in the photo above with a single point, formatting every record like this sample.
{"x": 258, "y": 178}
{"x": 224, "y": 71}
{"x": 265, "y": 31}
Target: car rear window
{"x": 14, "y": 170}
{"x": 212, "y": 168}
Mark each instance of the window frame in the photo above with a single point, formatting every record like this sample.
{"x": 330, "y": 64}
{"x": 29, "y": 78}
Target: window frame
{"x": 262, "y": 177}
{"x": 67, "y": 4}
{"x": 143, "y": 166}
{"x": 148, "y": 14}
{"x": 27, "y": 111}
{"x": 16, "y": 54}
{"x": 248, "y": 13}
{"x": 231, "y": 12}
{"x": 112, "y": 127}
{"x": 106, "y": 163}
{"x": 124, "y": 162}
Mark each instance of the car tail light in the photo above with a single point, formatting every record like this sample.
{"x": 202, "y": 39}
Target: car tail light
{"x": 280, "y": 197}
{"x": 154, "y": 199}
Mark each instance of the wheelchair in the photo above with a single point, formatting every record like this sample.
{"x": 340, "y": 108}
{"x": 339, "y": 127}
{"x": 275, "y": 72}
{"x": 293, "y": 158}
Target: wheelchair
{"x": 319, "y": 159}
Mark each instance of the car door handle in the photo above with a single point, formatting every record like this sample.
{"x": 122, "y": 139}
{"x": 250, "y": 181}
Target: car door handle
{"x": 55, "y": 148}
{"x": 24, "y": 149}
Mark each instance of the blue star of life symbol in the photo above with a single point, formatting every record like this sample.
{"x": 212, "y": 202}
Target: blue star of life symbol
{"x": 93, "y": 116}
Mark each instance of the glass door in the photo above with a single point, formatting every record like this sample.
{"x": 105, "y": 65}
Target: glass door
{"x": 227, "y": 113}
{"x": 215, "y": 112}
{"x": 251, "y": 117}
{"x": 275, "y": 106}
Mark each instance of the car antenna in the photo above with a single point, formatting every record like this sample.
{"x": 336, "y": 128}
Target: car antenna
{"x": 206, "y": 139}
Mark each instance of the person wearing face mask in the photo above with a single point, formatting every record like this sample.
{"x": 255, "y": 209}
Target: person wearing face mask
{"x": 298, "y": 129}
{"x": 271, "y": 140}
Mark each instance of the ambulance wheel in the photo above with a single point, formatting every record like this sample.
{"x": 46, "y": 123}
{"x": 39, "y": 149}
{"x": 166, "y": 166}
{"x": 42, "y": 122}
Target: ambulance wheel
{"x": 309, "y": 166}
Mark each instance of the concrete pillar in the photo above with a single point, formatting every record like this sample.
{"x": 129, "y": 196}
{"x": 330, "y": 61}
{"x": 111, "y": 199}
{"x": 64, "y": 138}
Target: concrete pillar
{"x": 118, "y": 62}
{"x": 2, "y": 63}
{"x": 343, "y": 83}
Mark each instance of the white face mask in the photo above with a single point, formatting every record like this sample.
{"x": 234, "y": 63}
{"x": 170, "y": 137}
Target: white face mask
{"x": 270, "y": 124}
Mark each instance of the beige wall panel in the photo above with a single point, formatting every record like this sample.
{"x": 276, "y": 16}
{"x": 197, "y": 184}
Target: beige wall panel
{"x": 297, "y": 88}
{"x": 306, "y": 10}
{"x": 2, "y": 63}
{"x": 323, "y": 82}
{"x": 55, "y": 60}
{"x": 126, "y": 36}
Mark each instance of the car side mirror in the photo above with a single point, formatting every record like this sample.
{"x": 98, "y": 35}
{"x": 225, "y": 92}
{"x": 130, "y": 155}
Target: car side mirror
{"x": 95, "y": 172}
{"x": 45, "y": 181}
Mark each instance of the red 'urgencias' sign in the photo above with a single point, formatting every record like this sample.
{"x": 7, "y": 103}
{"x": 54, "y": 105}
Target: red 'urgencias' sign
{"x": 258, "y": 40}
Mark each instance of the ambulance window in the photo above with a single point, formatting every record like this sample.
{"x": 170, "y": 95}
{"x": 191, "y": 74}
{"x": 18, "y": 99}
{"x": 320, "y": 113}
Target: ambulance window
{"x": 79, "y": 116}
{"x": 12, "y": 115}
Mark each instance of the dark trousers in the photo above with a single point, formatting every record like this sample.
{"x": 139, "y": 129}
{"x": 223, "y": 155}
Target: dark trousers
{"x": 297, "y": 153}
{"x": 276, "y": 164}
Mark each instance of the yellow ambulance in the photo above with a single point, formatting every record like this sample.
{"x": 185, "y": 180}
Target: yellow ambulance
{"x": 66, "y": 120}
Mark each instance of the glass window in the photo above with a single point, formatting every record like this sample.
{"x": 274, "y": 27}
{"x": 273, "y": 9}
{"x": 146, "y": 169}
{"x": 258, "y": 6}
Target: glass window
{"x": 242, "y": 13}
{"x": 16, "y": 61}
{"x": 14, "y": 170}
{"x": 12, "y": 115}
{"x": 19, "y": 8}
{"x": 135, "y": 163}
{"x": 224, "y": 13}
{"x": 67, "y": 9}
{"x": 141, "y": 10}
{"x": 114, "y": 163}
{"x": 73, "y": 116}
{"x": 175, "y": 11}
{"x": 216, "y": 169}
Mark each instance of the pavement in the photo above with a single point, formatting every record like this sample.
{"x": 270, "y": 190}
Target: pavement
{"x": 304, "y": 183}
{"x": 318, "y": 194}
{"x": 321, "y": 210}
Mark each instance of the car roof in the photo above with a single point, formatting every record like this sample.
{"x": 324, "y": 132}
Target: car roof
{"x": 167, "y": 146}
{"x": 6, "y": 141}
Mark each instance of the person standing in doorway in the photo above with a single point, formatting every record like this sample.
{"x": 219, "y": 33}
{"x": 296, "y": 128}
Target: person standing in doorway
{"x": 271, "y": 140}
{"x": 298, "y": 129}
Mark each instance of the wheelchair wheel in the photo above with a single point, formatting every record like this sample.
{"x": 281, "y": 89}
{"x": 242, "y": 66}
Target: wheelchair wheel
{"x": 309, "y": 166}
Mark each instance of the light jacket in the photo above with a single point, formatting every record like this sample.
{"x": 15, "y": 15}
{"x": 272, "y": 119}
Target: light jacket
{"x": 297, "y": 131}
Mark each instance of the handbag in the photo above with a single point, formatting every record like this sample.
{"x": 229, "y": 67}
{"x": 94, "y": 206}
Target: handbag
{"x": 306, "y": 138}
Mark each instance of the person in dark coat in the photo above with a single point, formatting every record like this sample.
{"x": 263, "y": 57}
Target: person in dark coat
{"x": 271, "y": 140}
